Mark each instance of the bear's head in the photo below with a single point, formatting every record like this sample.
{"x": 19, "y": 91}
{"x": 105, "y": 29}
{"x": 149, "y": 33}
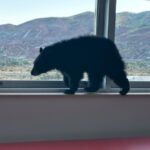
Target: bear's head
{"x": 42, "y": 63}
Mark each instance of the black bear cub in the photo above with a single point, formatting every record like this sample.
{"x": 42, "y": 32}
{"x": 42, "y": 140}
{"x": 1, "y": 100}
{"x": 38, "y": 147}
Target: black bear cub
{"x": 96, "y": 56}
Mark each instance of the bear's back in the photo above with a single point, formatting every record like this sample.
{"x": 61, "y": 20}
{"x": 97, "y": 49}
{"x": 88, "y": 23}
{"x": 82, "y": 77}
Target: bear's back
{"x": 84, "y": 46}
{"x": 88, "y": 51}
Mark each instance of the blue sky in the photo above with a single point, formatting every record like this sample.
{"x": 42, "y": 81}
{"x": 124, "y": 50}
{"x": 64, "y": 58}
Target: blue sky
{"x": 19, "y": 11}
{"x": 133, "y": 5}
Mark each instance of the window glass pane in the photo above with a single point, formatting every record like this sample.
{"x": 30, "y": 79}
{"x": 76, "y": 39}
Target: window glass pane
{"x": 133, "y": 37}
{"x": 27, "y": 25}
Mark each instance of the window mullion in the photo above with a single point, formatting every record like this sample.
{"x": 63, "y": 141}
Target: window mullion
{"x": 111, "y": 19}
{"x": 100, "y": 17}
{"x": 105, "y": 24}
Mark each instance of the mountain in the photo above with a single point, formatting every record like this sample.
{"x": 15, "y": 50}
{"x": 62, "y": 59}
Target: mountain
{"x": 133, "y": 34}
{"x": 24, "y": 40}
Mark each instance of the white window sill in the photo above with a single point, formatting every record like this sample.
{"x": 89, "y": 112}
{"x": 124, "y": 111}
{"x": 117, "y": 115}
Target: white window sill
{"x": 55, "y": 116}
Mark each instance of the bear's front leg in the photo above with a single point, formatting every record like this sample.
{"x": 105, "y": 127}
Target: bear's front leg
{"x": 73, "y": 85}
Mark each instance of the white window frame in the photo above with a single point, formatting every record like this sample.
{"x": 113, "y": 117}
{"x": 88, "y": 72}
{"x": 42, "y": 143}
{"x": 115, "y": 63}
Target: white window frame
{"x": 105, "y": 14}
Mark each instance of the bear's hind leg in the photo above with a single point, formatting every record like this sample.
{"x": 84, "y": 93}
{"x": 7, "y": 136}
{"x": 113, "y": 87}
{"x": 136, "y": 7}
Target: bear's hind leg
{"x": 121, "y": 80}
{"x": 95, "y": 82}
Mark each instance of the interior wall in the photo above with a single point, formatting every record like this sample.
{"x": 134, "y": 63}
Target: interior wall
{"x": 60, "y": 117}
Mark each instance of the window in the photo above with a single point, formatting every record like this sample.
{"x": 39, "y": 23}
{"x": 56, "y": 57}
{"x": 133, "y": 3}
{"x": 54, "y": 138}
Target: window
{"x": 132, "y": 37}
{"x": 132, "y": 34}
{"x": 28, "y": 25}
{"x": 132, "y": 43}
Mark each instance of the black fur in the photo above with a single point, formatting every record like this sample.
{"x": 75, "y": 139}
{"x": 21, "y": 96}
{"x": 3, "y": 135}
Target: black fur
{"x": 98, "y": 57}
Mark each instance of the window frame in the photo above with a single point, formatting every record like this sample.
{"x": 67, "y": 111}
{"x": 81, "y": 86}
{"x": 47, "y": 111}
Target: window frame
{"x": 105, "y": 13}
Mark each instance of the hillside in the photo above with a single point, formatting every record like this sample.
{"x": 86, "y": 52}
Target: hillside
{"x": 25, "y": 39}
{"x": 19, "y": 44}
{"x": 133, "y": 34}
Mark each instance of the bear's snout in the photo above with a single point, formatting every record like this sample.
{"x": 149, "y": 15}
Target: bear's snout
{"x": 34, "y": 72}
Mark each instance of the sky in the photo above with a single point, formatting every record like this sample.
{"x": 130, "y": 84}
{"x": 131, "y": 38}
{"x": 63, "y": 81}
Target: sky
{"x": 19, "y": 11}
{"x": 133, "y": 5}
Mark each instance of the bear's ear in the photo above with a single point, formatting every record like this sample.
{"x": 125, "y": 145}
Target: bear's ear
{"x": 41, "y": 49}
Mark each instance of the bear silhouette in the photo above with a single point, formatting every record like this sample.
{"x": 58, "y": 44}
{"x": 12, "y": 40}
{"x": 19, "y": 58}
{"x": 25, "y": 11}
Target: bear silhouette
{"x": 96, "y": 56}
